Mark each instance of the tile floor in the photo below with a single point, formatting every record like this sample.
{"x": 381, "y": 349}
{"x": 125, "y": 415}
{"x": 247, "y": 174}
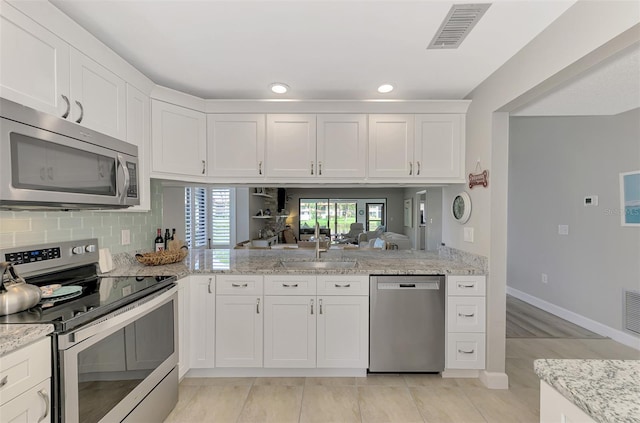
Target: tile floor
{"x": 388, "y": 398}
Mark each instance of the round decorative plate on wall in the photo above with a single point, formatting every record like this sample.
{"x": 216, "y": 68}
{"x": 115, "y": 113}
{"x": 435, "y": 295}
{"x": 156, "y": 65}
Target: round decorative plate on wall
{"x": 461, "y": 207}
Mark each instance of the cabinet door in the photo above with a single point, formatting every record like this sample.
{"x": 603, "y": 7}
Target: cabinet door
{"x": 98, "y": 97}
{"x": 202, "y": 322}
{"x": 184, "y": 309}
{"x": 33, "y": 406}
{"x": 439, "y": 151}
{"x": 178, "y": 139}
{"x": 342, "y": 146}
{"x": 290, "y": 331}
{"x": 235, "y": 145}
{"x": 343, "y": 332}
{"x": 291, "y": 146}
{"x": 239, "y": 331}
{"x": 391, "y": 145}
{"x": 138, "y": 133}
{"x": 34, "y": 64}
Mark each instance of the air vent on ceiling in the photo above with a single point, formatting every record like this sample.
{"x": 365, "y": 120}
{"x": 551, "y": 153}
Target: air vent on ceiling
{"x": 457, "y": 25}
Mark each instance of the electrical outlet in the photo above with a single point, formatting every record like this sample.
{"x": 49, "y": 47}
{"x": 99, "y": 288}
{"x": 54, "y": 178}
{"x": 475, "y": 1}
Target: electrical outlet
{"x": 468, "y": 234}
{"x": 545, "y": 278}
{"x": 126, "y": 237}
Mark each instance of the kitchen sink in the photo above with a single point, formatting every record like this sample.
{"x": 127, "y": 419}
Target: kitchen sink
{"x": 318, "y": 264}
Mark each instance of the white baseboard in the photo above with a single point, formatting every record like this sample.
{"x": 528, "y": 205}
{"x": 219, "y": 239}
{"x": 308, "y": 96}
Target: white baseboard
{"x": 268, "y": 372}
{"x": 494, "y": 380}
{"x": 460, "y": 373}
{"x": 585, "y": 322}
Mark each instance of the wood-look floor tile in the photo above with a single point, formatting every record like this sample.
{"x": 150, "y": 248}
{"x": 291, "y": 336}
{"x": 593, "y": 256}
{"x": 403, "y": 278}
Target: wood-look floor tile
{"x": 521, "y": 373}
{"x": 218, "y": 381}
{"x": 279, "y": 381}
{"x": 272, "y": 403}
{"x": 326, "y": 404}
{"x": 608, "y": 348}
{"x": 214, "y": 404}
{"x": 331, "y": 381}
{"x": 381, "y": 380}
{"x": 388, "y": 404}
{"x": 506, "y": 405}
{"x": 445, "y": 404}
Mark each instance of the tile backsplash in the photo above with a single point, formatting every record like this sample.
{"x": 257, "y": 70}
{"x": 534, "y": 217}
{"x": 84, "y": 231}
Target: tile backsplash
{"x": 35, "y": 227}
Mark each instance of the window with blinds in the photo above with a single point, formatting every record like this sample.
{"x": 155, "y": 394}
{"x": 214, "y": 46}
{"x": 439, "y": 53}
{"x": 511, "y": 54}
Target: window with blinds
{"x": 208, "y": 217}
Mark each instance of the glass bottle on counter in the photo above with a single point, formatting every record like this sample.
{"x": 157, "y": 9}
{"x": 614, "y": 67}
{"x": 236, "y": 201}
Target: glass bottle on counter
{"x": 167, "y": 238}
{"x": 159, "y": 242}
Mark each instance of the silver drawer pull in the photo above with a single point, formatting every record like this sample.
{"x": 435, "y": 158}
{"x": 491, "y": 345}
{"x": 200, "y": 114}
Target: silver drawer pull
{"x": 343, "y": 285}
{"x": 466, "y": 352}
{"x": 209, "y": 286}
{"x": 461, "y": 285}
{"x": 466, "y": 315}
{"x": 290, "y": 285}
{"x": 45, "y": 397}
{"x": 257, "y": 305}
{"x": 4, "y": 381}
{"x": 311, "y": 306}
{"x": 239, "y": 285}
{"x": 320, "y": 303}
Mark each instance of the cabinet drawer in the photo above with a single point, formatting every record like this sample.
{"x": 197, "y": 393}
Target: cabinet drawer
{"x": 466, "y": 314}
{"x": 239, "y": 285}
{"x": 343, "y": 285}
{"x": 466, "y": 285}
{"x": 465, "y": 351}
{"x": 32, "y": 406}
{"x": 24, "y": 368}
{"x": 290, "y": 285}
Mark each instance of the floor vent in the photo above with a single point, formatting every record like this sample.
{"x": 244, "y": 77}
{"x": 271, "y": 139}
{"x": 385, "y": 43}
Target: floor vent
{"x": 632, "y": 311}
{"x": 457, "y": 25}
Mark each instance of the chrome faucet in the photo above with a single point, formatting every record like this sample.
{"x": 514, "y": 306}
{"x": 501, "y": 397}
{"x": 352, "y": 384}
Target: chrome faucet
{"x": 317, "y": 237}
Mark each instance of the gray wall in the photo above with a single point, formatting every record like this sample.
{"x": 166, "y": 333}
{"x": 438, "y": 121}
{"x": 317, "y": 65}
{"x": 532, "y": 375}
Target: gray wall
{"x": 554, "y": 162}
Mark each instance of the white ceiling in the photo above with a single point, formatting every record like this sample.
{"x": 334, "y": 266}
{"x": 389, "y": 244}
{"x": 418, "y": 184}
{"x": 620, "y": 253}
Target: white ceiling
{"x": 321, "y": 49}
{"x": 608, "y": 88}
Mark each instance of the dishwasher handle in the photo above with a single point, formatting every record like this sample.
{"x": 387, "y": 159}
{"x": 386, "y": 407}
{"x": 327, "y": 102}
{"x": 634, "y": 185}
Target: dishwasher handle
{"x": 405, "y": 286}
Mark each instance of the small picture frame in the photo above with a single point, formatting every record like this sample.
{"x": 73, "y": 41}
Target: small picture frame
{"x": 630, "y": 198}
{"x": 408, "y": 213}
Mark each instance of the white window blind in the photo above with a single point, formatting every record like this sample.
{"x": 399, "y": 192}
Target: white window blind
{"x": 209, "y": 215}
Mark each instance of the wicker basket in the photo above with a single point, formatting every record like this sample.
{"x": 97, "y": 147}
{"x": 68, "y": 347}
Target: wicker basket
{"x": 162, "y": 257}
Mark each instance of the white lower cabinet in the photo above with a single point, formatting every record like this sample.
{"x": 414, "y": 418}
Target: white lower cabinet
{"x": 554, "y": 407}
{"x": 239, "y": 320}
{"x": 25, "y": 388}
{"x": 343, "y": 332}
{"x": 290, "y": 331}
{"x": 184, "y": 310}
{"x": 202, "y": 321}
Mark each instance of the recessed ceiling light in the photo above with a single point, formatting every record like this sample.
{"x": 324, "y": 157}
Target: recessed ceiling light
{"x": 385, "y": 88}
{"x": 279, "y": 87}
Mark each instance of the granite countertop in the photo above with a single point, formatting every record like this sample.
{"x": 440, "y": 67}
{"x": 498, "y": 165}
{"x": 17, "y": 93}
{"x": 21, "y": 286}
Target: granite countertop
{"x": 607, "y": 390}
{"x": 392, "y": 262}
{"x": 13, "y": 337}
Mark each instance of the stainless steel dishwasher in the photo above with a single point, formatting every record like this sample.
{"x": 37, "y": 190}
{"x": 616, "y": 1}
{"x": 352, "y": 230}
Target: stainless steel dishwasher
{"x": 406, "y": 324}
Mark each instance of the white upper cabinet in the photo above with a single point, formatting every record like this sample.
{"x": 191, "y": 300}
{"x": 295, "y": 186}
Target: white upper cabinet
{"x": 98, "y": 97}
{"x": 291, "y": 146}
{"x": 439, "y": 151}
{"x": 391, "y": 146}
{"x": 235, "y": 145}
{"x": 34, "y": 64}
{"x": 138, "y": 133}
{"x": 342, "y": 146}
{"x": 178, "y": 140}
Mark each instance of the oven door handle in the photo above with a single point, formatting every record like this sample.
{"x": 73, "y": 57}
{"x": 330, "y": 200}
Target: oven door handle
{"x": 118, "y": 318}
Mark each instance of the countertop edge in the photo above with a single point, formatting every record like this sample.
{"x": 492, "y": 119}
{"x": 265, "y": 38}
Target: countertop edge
{"x": 14, "y": 337}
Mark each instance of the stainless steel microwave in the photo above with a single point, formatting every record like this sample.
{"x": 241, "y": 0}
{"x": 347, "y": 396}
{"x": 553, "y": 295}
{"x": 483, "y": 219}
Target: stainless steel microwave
{"x": 49, "y": 163}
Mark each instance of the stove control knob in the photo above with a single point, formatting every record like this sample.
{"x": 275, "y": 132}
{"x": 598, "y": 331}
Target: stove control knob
{"x": 90, "y": 248}
{"x": 78, "y": 250}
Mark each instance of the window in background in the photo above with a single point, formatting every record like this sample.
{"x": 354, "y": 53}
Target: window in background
{"x": 209, "y": 217}
{"x": 333, "y": 215}
{"x": 375, "y": 216}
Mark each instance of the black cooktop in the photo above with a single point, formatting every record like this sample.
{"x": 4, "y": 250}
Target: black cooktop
{"x": 95, "y": 297}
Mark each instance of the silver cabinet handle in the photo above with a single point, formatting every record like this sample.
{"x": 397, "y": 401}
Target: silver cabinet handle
{"x": 204, "y": 166}
{"x": 45, "y": 397}
{"x": 342, "y": 285}
{"x": 260, "y": 167}
{"x": 239, "y": 285}
{"x": 81, "y": 112}
{"x": 465, "y": 352}
{"x": 410, "y": 168}
{"x": 209, "y": 286}
{"x": 320, "y": 168}
{"x": 320, "y": 302}
{"x": 4, "y": 381}
{"x": 461, "y": 285}
{"x": 290, "y": 285}
{"x": 418, "y": 168}
{"x": 466, "y": 315}
{"x": 311, "y": 306}
{"x": 312, "y": 168}
{"x": 258, "y": 306}
{"x": 66, "y": 113}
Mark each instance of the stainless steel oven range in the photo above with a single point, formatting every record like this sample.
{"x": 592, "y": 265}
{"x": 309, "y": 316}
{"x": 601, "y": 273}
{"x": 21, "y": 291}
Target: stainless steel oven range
{"x": 114, "y": 346}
